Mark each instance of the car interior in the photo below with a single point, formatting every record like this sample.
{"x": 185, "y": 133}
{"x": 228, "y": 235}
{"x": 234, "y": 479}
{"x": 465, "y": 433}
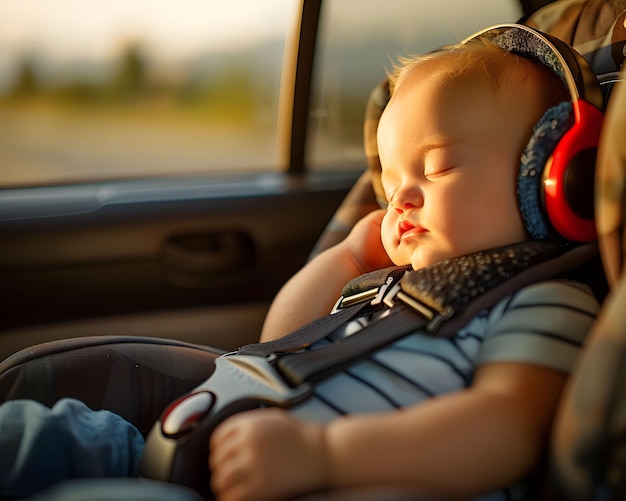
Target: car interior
{"x": 93, "y": 250}
{"x": 187, "y": 265}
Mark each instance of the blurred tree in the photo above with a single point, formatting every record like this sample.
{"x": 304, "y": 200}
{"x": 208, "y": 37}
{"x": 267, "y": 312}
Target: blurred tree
{"x": 129, "y": 82}
{"x": 26, "y": 82}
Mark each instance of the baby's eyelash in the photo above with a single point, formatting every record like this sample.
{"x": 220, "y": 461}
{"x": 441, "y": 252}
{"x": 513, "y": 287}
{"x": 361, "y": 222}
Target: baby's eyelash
{"x": 438, "y": 171}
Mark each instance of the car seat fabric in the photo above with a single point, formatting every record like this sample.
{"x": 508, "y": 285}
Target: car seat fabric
{"x": 588, "y": 460}
{"x": 142, "y": 489}
{"x": 109, "y": 489}
{"x": 135, "y": 377}
{"x": 594, "y": 27}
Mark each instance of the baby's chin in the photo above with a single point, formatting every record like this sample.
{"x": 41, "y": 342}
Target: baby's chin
{"x": 420, "y": 256}
{"x": 423, "y": 258}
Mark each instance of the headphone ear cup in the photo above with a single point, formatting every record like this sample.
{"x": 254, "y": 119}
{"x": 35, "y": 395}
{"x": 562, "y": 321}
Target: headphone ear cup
{"x": 569, "y": 176}
{"x": 530, "y": 193}
{"x": 556, "y": 182}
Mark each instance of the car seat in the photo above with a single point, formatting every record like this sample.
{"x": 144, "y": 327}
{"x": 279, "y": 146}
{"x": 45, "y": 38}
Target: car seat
{"x": 133, "y": 359}
{"x": 588, "y": 457}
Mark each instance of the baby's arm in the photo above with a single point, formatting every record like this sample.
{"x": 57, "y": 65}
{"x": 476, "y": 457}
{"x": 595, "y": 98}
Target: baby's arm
{"x": 312, "y": 292}
{"x": 457, "y": 445}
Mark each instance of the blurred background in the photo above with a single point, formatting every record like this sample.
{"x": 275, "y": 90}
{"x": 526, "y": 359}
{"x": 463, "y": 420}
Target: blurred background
{"x": 93, "y": 90}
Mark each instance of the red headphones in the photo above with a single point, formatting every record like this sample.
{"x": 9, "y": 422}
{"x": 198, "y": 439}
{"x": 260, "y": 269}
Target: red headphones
{"x": 567, "y": 189}
{"x": 569, "y": 175}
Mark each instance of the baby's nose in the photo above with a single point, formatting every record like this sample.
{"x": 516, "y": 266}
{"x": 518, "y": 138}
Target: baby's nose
{"x": 404, "y": 207}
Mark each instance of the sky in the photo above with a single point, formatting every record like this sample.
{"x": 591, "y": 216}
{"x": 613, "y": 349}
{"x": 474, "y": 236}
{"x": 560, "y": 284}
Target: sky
{"x": 178, "y": 27}
{"x": 172, "y": 28}
{"x": 175, "y": 31}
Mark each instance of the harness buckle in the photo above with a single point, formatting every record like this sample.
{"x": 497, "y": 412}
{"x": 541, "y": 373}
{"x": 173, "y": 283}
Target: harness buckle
{"x": 391, "y": 291}
{"x": 238, "y": 382}
{"x": 434, "y": 317}
{"x": 361, "y": 297}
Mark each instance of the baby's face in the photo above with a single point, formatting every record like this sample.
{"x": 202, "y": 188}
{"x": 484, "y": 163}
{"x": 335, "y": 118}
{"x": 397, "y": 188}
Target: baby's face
{"x": 450, "y": 154}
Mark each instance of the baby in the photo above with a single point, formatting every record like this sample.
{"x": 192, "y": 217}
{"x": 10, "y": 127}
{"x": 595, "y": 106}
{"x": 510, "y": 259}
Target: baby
{"x": 450, "y": 142}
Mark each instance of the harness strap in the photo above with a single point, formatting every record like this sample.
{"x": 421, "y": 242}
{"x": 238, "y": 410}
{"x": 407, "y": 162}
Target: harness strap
{"x": 322, "y": 327}
{"x": 409, "y": 315}
{"x": 318, "y": 364}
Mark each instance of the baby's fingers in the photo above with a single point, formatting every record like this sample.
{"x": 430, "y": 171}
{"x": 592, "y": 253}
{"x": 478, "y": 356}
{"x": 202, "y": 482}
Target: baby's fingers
{"x": 231, "y": 457}
{"x": 227, "y": 478}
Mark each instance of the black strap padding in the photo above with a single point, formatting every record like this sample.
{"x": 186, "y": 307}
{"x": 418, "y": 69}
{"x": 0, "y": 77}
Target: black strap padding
{"x": 456, "y": 282}
{"x": 555, "y": 266}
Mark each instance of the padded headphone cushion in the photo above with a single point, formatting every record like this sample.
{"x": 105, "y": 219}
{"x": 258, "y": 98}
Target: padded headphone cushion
{"x": 545, "y": 137}
{"x": 529, "y": 44}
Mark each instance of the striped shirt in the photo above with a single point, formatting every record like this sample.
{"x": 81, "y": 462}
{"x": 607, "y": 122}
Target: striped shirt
{"x": 543, "y": 324}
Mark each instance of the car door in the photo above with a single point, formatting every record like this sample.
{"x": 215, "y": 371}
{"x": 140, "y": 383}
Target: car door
{"x": 166, "y": 168}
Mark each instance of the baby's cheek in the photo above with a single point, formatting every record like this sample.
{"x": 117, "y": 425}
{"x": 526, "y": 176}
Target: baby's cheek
{"x": 387, "y": 233}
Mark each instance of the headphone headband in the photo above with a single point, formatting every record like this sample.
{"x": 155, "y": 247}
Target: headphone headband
{"x": 551, "y": 52}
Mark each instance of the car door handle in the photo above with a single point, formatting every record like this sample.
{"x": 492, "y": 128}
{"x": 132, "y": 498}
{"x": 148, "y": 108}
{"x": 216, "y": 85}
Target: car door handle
{"x": 199, "y": 260}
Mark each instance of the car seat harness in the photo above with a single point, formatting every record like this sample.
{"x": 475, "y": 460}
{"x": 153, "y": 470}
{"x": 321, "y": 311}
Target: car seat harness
{"x": 438, "y": 300}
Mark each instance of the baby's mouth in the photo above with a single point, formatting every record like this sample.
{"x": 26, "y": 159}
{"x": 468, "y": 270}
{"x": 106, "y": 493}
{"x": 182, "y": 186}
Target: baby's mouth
{"x": 406, "y": 229}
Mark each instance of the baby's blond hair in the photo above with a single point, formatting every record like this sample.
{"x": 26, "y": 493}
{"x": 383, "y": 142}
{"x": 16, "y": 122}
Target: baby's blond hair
{"x": 503, "y": 69}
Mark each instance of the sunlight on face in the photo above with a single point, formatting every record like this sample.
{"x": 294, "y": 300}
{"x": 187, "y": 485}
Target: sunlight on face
{"x": 450, "y": 155}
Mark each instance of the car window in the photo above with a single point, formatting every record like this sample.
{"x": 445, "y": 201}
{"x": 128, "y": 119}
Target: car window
{"x": 357, "y": 42}
{"x": 93, "y": 90}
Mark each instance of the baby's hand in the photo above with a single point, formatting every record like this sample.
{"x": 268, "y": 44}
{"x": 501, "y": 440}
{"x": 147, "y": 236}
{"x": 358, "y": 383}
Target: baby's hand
{"x": 365, "y": 243}
{"x": 266, "y": 454}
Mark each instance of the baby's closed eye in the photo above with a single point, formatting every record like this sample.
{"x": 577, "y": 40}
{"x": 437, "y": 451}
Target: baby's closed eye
{"x": 434, "y": 171}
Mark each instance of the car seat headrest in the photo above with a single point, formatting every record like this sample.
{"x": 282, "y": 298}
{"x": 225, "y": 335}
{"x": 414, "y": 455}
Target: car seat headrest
{"x": 555, "y": 190}
{"x": 588, "y": 450}
{"x": 376, "y": 103}
{"x": 611, "y": 186}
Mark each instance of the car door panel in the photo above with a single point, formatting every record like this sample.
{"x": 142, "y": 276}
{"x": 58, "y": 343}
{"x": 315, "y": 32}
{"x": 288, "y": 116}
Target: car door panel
{"x": 153, "y": 259}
